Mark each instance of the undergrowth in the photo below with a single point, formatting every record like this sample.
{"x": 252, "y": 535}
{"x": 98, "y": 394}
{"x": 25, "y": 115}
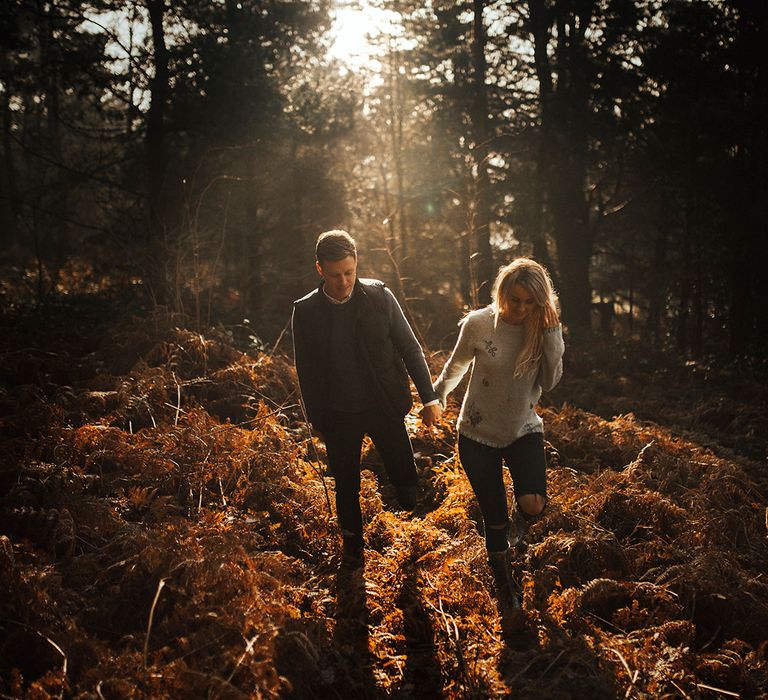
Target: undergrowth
{"x": 168, "y": 531}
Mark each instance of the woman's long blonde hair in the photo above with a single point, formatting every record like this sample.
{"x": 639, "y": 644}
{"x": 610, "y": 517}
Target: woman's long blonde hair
{"x": 536, "y": 280}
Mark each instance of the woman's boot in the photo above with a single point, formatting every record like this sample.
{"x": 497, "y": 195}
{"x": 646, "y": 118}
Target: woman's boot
{"x": 502, "y": 577}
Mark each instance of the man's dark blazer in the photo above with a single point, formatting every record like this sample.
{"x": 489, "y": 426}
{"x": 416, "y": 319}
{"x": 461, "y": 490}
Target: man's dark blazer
{"x": 386, "y": 347}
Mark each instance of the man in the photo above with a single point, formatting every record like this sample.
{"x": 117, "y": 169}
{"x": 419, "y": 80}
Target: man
{"x": 354, "y": 350}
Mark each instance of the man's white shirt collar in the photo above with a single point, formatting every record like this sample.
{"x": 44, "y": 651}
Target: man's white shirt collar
{"x": 337, "y": 301}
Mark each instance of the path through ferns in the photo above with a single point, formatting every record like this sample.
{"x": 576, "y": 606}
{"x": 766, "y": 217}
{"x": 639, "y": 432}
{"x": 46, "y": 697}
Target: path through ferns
{"x": 165, "y": 532}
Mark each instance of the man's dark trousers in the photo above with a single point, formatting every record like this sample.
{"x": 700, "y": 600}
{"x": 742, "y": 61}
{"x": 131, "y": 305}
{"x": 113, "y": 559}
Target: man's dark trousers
{"x": 343, "y": 442}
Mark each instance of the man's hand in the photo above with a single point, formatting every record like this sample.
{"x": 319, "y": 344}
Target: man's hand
{"x": 431, "y": 414}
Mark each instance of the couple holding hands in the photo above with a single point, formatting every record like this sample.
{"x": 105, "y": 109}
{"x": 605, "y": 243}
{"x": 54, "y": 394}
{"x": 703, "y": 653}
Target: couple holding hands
{"x": 354, "y": 352}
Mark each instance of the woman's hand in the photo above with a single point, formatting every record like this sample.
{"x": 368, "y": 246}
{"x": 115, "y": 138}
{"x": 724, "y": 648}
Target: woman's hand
{"x": 551, "y": 319}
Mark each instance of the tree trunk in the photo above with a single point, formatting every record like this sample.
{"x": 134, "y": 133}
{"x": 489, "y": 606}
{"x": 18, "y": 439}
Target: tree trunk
{"x": 300, "y": 232}
{"x": 574, "y": 252}
{"x": 10, "y": 195}
{"x": 59, "y": 201}
{"x": 698, "y": 301}
{"x": 539, "y": 236}
{"x": 157, "y": 249}
{"x": 739, "y": 317}
{"x": 390, "y": 220}
{"x": 396, "y": 141}
{"x": 465, "y": 272}
{"x": 631, "y": 281}
{"x": 685, "y": 287}
{"x": 132, "y": 111}
{"x": 484, "y": 270}
{"x": 658, "y": 289}
{"x": 539, "y": 27}
{"x": 748, "y": 322}
{"x": 50, "y": 228}
{"x": 563, "y": 117}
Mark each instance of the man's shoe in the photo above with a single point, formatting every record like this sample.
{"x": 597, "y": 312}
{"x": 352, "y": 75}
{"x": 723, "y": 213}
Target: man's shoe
{"x": 406, "y": 496}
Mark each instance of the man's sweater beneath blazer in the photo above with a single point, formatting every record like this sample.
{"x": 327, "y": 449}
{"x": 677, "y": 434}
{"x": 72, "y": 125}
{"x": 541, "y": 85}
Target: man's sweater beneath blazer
{"x": 385, "y": 349}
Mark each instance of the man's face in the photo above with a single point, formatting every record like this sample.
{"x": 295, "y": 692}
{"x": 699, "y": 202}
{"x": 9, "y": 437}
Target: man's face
{"x": 338, "y": 276}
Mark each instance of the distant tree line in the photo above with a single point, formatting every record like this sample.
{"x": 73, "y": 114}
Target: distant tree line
{"x": 199, "y": 147}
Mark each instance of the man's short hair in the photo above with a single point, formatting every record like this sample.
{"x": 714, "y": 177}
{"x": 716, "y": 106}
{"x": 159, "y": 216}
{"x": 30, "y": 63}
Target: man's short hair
{"x": 334, "y": 245}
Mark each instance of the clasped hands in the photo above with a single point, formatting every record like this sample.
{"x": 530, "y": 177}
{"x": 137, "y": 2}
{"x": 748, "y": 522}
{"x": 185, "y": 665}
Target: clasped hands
{"x": 431, "y": 414}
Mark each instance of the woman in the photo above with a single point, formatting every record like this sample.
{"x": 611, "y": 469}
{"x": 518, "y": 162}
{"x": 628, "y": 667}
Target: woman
{"x": 516, "y": 344}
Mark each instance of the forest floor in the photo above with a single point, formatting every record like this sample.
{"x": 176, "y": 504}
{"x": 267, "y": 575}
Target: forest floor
{"x": 165, "y": 530}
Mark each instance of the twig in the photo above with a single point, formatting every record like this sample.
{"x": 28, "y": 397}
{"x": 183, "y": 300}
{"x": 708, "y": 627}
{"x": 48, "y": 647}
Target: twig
{"x": 279, "y": 338}
{"x": 680, "y": 690}
{"x": 178, "y": 399}
{"x": 60, "y": 650}
{"x": 729, "y": 693}
{"x": 26, "y": 351}
{"x": 248, "y": 650}
{"x": 632, "y": 677}
{"x": 711, "y": 639}
{"x": 195, "y": 650}
{"x": 114, "y": 37}
{"x": 223, "y": 681}
{"x": 160, "y": 586}
{"x": 276, "y": 412}
{"x": 638, "y": 461}
{"x": 317, "y": 457}
{"x": 551, "y": 664}
{"x": 202, "y": 483}
{"x": 170, "y": 405}
{"x": 452, "y": 631}
{"x": 524, "y": 669}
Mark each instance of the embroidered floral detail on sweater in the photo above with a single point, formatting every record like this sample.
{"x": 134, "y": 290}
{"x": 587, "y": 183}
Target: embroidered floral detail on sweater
{"x": 473, "y": 415}
{"x": 490, "y": 348}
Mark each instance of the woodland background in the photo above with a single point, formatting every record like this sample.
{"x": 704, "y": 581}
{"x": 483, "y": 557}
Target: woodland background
{"x": 166, "y": 529}
{"x": 197, "y": 149}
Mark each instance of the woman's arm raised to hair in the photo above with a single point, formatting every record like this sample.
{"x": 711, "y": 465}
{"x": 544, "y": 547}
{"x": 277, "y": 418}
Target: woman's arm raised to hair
{"x": 551, "y": 319}
{"x": 551, "y": 369}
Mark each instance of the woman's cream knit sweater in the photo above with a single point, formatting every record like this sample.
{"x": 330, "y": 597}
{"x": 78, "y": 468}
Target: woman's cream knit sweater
{"x": 499, "y": 408}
